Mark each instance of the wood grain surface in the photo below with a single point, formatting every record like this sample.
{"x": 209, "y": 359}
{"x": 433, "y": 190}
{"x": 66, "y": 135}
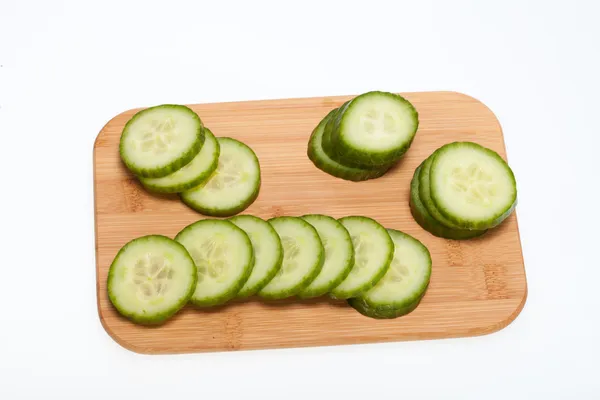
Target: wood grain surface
{"x": 477, "y": 286}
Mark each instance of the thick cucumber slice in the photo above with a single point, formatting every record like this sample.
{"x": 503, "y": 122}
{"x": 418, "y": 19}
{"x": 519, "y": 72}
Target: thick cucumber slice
{"x": 373, "y": 253}
{"x": 425, "y": 194}
{"x": 373, "y": 129}
{"x": 322, "y": 161}
{"x": 268, "y": 252}
{"x": 192, "y": 174}
{"x": 427, "y": 222}
{"x": 339, "y": 255}
{"x": 234, "y": 185}
{"x": 223, "y": 256}
{"x": 159, "y": 140}
{"x": 151, "y": 279}
{"x": 303, "y": 257}
{"x": 406, "y": 281}
{"x": 472, "y": 186}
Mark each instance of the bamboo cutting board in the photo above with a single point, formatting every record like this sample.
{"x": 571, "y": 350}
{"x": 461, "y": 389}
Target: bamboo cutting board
{"x": 477, "y": 286}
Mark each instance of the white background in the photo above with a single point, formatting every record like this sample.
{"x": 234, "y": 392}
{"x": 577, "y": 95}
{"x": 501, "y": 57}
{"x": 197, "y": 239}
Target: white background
{"x": 67, "y": 67}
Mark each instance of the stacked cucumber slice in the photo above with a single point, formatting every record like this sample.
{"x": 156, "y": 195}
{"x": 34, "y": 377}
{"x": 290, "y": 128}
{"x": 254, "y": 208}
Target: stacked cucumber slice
{"x": 380, "y": 272}
{"x": 364, "y": 137}
{"x": 462, "y": 190}
{"x": 170, "y": 150}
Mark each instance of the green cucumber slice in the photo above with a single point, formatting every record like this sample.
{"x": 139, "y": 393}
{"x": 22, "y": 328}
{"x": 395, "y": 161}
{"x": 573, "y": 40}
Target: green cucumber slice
{"x": 303, "y": 257}
{"x": 268, "y": 252}
{"x": 330, "y": 151}
{"x": 223, "y": 256}
{"x": 373, "y": 129}
{"x": 323, "y": 162}
{"x": 339, "y": 255}
{"x": 373, "y": 253}
{"x": 362, "y": 307}
{"x": 151, "y": 279}
{"x": 425, "y": 194}
{"x": 192, "y": 174}
{"x": 159, "y": 140}
{"x": 472, "y": 186}
{"x": 234, "y": 185}
{"x": 406, "y": 281}
{"x": 427, "y": 222}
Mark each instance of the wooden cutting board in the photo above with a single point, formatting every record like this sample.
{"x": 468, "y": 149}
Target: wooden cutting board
{"x": 477, "y": 286}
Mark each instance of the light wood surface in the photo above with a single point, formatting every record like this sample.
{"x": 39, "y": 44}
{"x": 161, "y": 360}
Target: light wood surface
{"x": 477, "y": 286}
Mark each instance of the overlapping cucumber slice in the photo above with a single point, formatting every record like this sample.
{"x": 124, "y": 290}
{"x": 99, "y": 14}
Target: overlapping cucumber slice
{"x": 365, "y": 137}
{"x": 462, "y": 190}
{"x": 403, "y": 286}
{"x": 233, "y": 186}
{"x": 168, "y": 148}
{"x": 224, "y": 258}
{"x": 158, "y": 141}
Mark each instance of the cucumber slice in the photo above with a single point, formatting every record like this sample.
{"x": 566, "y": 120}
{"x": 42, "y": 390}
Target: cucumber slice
{"x": 234, "y": 185}
{"x": 223, "y": 256}
{"x": 159, "y": 140}
{"x": 323, "y": 162}
{"x": 339, "y": 255}
{"x": 303, "y": 257}
{"x": 406, "y": 281}
{"x": 190, "y": 175}
{"x": 472, "y": 186}
{"x": 425, "y": 194}
{"x": 373, "y": 129}
{"x": 151, "y": 279}
{"x": 427, "y": 222}
{"x": 329, "y": 149}
{"x": 373, "y": 253}
{"x": 268, "y": 252}
{"x": 362, "y": 307}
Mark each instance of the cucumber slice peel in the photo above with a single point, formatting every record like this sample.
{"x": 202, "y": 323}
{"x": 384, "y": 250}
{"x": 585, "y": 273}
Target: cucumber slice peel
{"x": 150, "y": 279}
{"x": 192, "y": 174}
{"x": 159, "y": 140}
{"x": 338, "y": 258}
{"x": 303, "y": 257}
{"x": 373, "y": 253}
{"x": 268, "y": 252}
{"x": 472, "y": 186}
{"x": 233, "y": 186}
{"x": 224, "y": 259}
{"x": 427, "y": 221}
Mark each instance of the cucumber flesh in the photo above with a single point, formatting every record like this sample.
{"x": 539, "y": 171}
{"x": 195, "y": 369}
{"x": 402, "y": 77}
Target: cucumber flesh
{"x": 192, "y": 174}
{"x": 268, "y": 252}
{"x": 223, "y": 256}
{"x": 339, "y": 255}
{"x": 234, "y": 185}
{"x": 373, "y": 129}
{"x": 303, "y": 257}
{"x": 373, "y": 253}
{"x": 406, "y": 281}
{"x": 427, "y": 222}
{"x": 151, "y": 279}
{"x": 159, "y": 140}
{"x": 472, "y": 186}
{"x": 323, "y": 162}
{"x": 425, "y": 194}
